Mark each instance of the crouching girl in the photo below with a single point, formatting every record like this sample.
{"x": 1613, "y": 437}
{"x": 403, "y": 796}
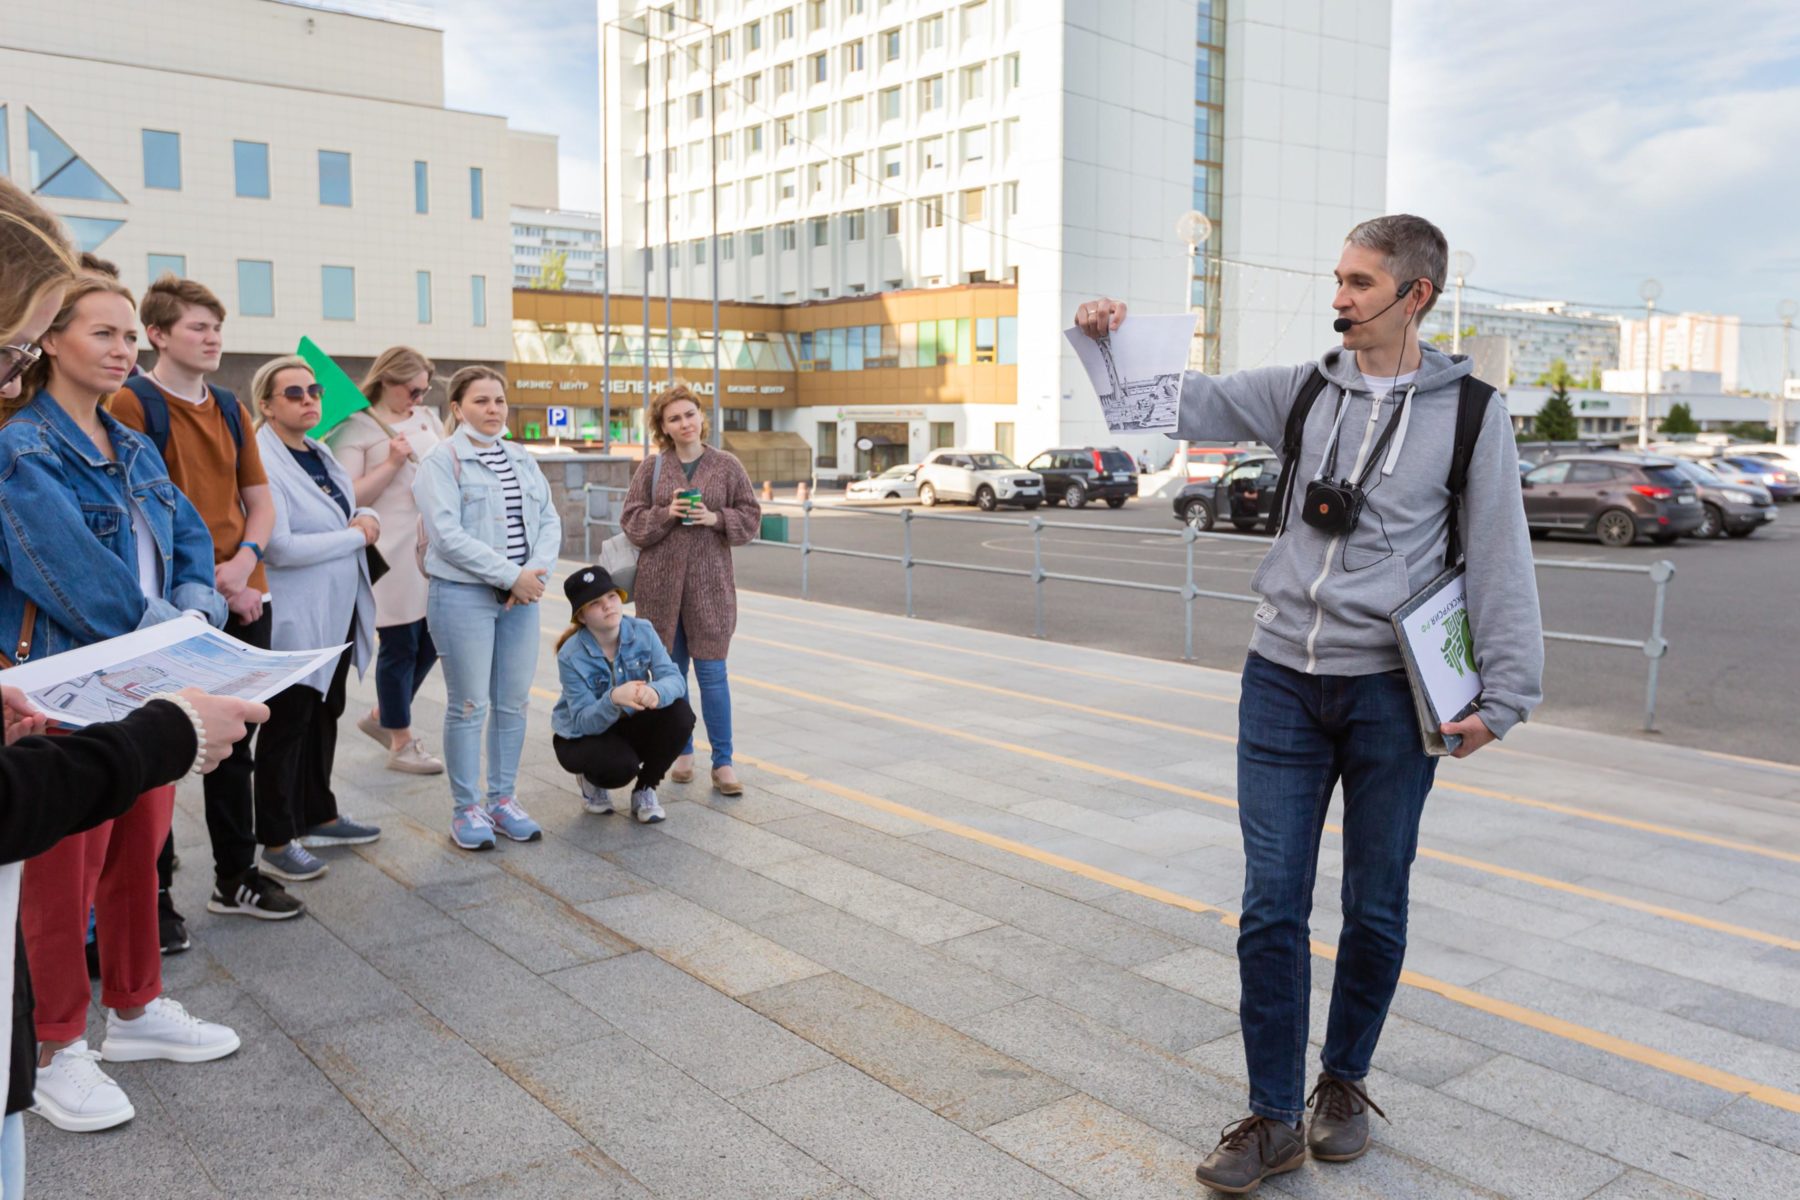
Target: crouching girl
{"x": 624, "y": 716}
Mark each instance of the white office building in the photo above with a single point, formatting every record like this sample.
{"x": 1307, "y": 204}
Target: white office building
{"x": 558, "y": 250}
{"x": 870, "y": 146}
{"x": 298, "y": 161}
{"x": 1538, "y": 333}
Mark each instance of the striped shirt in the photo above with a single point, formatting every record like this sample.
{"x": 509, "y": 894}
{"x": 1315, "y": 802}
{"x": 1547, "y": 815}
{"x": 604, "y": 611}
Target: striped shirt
{"x": 495, "y": 458}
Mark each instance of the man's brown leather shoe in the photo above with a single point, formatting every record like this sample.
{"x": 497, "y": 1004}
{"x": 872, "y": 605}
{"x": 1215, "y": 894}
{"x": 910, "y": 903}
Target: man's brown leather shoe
{"x": 1339, "y": 1129}
{"x": 1250, "y": 1151}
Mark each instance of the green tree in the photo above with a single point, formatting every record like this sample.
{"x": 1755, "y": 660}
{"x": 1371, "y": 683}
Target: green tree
{"x": 1556, "y": 420}
{"x": 1444, "y": 339}
{"x": 553, "y": 275}
{"x": 1593, "y": 379}
{"x": 1750, "y": 431}
{"x": 1679, "y": 420}
{"x": 1557, "y": 378}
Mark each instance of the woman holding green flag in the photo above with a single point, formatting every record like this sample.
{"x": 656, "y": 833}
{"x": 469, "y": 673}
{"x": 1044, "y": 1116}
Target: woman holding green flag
{"x": 381, "y": 446}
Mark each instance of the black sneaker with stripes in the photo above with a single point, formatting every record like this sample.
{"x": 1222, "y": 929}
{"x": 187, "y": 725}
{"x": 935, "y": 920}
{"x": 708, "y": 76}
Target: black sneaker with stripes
{"x": 254, "y": 894}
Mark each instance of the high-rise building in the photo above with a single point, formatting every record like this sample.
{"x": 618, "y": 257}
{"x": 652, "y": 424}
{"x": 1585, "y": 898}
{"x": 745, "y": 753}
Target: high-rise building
{"x": 1683, "y": 342}
{"x": 866, "y": 148}
{"x": 558, "y": 250}
{"x": 298, "y": 161}
{"x": 1539, "y": 332}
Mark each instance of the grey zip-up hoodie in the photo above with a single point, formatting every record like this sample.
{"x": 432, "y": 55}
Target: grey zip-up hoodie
{"x": 1328, "y": 598}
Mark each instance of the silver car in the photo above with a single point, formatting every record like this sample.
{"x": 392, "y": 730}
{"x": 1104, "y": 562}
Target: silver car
{"x": 895, "y": 483}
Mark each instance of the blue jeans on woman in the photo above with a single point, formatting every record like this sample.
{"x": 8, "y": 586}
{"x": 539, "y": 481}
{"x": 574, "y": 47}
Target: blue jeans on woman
{"x": 715, "y": 698}
{"x": 401, "y": 665}
{"x": 1298, "y": 736}
{"x": 489, "y": 654}
{"x": 12, "y": 1158}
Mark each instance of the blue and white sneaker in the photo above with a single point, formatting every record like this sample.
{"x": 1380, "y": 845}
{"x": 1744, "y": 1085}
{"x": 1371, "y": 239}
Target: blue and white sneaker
{"x": 595, "y": 799}
{"x": 293, "y": 864}
{"x": 644, "y": 806}
{"x": 510, "y": 820}
{"x": 472, "y": 829}
{"x": 343, "y": 831}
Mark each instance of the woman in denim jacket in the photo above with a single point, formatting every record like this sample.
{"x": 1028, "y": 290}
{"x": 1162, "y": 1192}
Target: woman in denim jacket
{"x": 493, "y": 534}
{"x": 623, "y": 714}
{"x": 96, "y": 542}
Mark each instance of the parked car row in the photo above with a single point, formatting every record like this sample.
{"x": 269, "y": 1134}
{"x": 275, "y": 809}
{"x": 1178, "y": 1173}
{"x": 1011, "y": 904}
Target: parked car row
{"x": 988, "y": 479}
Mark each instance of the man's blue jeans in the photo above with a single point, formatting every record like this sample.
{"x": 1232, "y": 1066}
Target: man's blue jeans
{"x": 1298, "y": 736}
{"x": 489, "y": 654}
{"x": 715, "y": 698}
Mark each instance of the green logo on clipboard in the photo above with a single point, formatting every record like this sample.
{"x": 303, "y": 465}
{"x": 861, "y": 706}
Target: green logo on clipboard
{"x": 1459, "y": 643}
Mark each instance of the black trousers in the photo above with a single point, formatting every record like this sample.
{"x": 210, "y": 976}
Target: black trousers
{"x": 296, "y": 756}
{"x": 641, "y": 746}
{"x": 230, "y": 810}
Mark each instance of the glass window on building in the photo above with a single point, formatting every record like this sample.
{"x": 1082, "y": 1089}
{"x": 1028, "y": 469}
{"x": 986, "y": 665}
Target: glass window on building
{"x": 56, "y": 170}
{"x": 1009, "y": 71}
{"x": 853, "y": 348}
{"x": 784, "y": 24}
{"x": 974, "y": 205}
{"x": 250, "y": 164}
{"x": 168, "y": 264}
{"x": 784, "y": 132}
{"x": 931, "y": 33}
{"x": 815, "y": 15}
{"x": 477, "y": 196}
{"x": 784, "y": 80}
{"x": 892, "y": 161}
{"x": 727, "y": 247}
{"x": 974, "y": 82}
{"x": 820, "y": 68}
{"x": 736, "y": 420}
{"x": 933, "y": 208}
{"x": 909, "y": 343}
{"x": 943, "y": 434}
{"x": 931, "y": 93}
{"x": 890, "y": 220}
{"x": 946, "y": 341}
{"x": 162, "y": 160}
{"x": 890, "y": 45}
{"x": 817, "y": 122}
{"x": 827, "y": 442}
{"x": 256, "y": 288}
{"x": 931, "y": 153}
{"x": 888, "y": 102}
{"x": 881, "y": 346}
{"x": 756, "y": 243}
{"x": 699, "y": 252}
{"x": 854, "y": 226}
{"x": 974, "y": 144}
{"x": 965, "y": 341}
{"x": 785, "y": 186}
{"x": 985, "y": 350}
{"x": 337, "y": 287}
{"x": 422, "y": 286}
{"x": 1009, "y": 340}
{"x": 753, "y": 36}
{"x": 821, "y": 231}
{"x": 334, "y": 178}
{"x": 928, "y": 348}
{"x": 853, "y": 58}
{"x": 753, "y": 139}
{"x": 421, "y": 187}
{"x": 789, "y": 238}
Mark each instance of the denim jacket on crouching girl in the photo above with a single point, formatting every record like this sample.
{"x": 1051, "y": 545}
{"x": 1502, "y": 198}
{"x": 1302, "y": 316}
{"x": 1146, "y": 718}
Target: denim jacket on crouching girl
{"x": 587, "y": 707}
{"x": 66, "y": 535}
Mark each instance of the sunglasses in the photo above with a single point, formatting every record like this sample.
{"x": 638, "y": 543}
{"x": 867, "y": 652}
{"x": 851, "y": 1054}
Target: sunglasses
{"x": 416, "y": 394}
{"x": 296, "y": 392}
{"x": 18, "y": 358}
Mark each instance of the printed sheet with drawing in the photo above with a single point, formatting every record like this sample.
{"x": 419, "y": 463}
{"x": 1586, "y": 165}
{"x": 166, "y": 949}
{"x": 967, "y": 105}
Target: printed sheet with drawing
{"x": 109, "y": 679}
{"x": 1137, "y": 370}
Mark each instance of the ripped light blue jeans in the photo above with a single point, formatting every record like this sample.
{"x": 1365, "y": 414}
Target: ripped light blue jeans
{"x": 490, "y": 654}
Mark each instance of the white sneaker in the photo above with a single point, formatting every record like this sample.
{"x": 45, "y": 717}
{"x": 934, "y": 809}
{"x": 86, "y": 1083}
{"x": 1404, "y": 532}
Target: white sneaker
{"x": 644, "y": 806}
{"x": 74, "y": 1094}
{"x": 166, "y": 1031}
{"x": 411, "y": 759}
{"x": 594, "y": 799}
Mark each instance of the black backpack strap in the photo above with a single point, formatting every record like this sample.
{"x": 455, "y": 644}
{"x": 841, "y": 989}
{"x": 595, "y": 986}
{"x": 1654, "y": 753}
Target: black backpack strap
{"x": 1290, "y": 444}
{"x": 1471, "y": 411}
{"x": 234, "y": 415}
{"x": 156, "y": 412}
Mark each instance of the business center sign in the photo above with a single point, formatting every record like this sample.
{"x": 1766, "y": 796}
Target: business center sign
{"x": 636, "y": 387}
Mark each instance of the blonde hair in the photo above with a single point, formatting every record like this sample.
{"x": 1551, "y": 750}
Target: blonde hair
{"x": 262, "y": 384}
{"x": 661, "y": 403}
{"x": 36, "y": 257}
{"x": 461, "y": 382}
{"x": 37, "y": 375}
{"x": 395, "y": 365}
{"x": 576, "y": 625}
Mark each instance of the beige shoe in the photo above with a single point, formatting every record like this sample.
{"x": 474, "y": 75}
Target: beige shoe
{"x": 413, "y": 760}
{"x": 725, "y": 781}
{"x": 369, "y": 725}
{"x": 683, "y": 770}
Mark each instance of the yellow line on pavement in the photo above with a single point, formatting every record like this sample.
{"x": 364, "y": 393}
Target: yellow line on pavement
{"x": 1486, "y": 868}
{"x": 1619, "y": 1047}
{"x": 1567, "y": 810}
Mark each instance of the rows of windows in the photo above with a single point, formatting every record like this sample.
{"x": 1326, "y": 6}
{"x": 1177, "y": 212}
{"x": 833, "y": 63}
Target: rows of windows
{"x": 337, "y": 289}
{"x": 970, "y": 206}
{"x": 973, "y": 20}
{"x": 971, "y": 145}
{"x": 959, "y": 341}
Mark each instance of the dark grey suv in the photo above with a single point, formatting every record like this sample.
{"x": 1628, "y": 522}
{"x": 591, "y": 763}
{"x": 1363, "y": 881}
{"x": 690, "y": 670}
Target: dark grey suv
{"x": 1728, "y": 509}
{"x": 1615, "y": 497}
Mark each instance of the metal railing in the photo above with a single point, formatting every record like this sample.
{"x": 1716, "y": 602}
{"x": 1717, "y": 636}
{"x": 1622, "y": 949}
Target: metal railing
{"x": 1654, "y": 646}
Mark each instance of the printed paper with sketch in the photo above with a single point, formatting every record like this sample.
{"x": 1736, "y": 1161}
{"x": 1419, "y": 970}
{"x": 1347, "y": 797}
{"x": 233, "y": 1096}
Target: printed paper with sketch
{"x": 109, "y": 679}
{"x": 1442, "y": 649}
{"x": 1136, "y": 370}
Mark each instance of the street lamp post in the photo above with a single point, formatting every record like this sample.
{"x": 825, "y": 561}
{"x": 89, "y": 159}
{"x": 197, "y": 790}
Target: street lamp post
{"x": 1194, "y": 228}
{"x": 1786, "y": 310}
{"x": 1650, "y": 289}
{"x": 1462, "y": 265}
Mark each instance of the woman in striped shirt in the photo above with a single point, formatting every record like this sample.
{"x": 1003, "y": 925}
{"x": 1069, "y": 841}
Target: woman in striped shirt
{"x": 493, "y": 534}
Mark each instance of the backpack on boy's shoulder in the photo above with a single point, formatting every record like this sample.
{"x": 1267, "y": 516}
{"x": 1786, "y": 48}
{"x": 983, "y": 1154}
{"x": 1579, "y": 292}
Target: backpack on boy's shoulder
{"x": 156, "y": 412}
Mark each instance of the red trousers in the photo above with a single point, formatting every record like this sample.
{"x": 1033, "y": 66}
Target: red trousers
{"x": 110, "y": 869}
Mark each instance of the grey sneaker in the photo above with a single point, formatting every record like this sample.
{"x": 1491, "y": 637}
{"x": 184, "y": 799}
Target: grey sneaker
{"x": 411, "y": 759}
{"x": 1249, "y": 1151}
{"x": 644, "y": 806}
{"x": 1339, "y": 1129}
{"x": 594, "y": 798}
{"x": 294, "y": 864}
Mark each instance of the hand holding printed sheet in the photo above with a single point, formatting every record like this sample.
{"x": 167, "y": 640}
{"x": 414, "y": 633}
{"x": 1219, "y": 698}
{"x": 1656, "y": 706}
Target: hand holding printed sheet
{"x": 1136, "y": 367}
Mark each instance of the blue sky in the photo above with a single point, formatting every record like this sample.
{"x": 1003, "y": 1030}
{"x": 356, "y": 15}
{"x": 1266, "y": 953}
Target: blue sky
{"x": 1573, "y": 148}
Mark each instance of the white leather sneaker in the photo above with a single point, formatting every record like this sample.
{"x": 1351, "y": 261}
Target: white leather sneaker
{"x": 166, "y": 1031}
{"x": 74, "y": 1094}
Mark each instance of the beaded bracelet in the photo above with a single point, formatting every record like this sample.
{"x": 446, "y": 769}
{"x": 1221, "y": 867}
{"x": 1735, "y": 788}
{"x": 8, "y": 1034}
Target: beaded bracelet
{"x": 193, "y": 715}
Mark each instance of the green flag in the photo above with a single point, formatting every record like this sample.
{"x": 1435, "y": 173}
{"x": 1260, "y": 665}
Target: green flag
{"x": 342, "y": 396}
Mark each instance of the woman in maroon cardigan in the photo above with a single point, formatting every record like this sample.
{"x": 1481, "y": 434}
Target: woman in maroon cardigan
{"x": 685, "y": 586}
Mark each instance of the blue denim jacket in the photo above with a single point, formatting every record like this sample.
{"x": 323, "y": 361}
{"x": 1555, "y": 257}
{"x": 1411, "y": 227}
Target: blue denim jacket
{"x": 66, "y": 537}
{"x": 464, "y": 510}
{"x": 586, "y": 707}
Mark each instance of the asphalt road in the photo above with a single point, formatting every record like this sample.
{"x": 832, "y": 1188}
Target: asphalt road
{"x": 1728, "y": 683}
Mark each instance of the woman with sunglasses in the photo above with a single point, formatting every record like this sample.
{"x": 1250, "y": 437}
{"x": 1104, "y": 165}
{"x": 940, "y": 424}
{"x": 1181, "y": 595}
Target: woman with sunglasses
{"x": 318, "y": 562}
{"x": 381, "y": 447}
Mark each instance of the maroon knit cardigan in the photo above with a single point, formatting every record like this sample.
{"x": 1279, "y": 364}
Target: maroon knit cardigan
{"x": 684, "y": 571}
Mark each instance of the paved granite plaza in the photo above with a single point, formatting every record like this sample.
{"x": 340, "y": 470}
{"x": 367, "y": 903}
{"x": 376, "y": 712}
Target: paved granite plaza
{"x": 968, "y": 934}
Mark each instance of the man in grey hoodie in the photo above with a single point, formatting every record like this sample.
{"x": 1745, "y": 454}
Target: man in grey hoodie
{"x": 1325, "y": 697}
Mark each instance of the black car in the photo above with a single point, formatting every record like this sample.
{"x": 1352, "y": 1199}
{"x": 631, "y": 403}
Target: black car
{"x": 1244, "y": 495}
{"x": 1081, "y": 473}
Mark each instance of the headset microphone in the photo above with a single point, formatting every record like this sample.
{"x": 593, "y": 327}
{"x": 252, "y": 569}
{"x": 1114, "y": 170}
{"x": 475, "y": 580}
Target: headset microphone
{"x": 1345, "y": 324}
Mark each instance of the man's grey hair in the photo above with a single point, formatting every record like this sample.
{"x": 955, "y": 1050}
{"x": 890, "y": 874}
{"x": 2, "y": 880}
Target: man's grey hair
{"x": 1410, "y": 248}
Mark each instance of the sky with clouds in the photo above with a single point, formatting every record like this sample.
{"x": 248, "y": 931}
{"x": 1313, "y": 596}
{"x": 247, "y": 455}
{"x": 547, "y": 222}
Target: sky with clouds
{"x": 1573, "y": 148}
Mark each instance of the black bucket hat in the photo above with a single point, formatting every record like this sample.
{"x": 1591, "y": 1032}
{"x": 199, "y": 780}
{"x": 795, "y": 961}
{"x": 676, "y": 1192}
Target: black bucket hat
{"x": 587, "y": 585}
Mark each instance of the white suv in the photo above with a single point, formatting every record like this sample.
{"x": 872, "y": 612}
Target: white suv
{"x": 981, "y": 477}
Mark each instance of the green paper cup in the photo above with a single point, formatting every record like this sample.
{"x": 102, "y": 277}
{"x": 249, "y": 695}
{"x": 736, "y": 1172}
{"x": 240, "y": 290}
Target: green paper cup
{"x": 690, "y": 496}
